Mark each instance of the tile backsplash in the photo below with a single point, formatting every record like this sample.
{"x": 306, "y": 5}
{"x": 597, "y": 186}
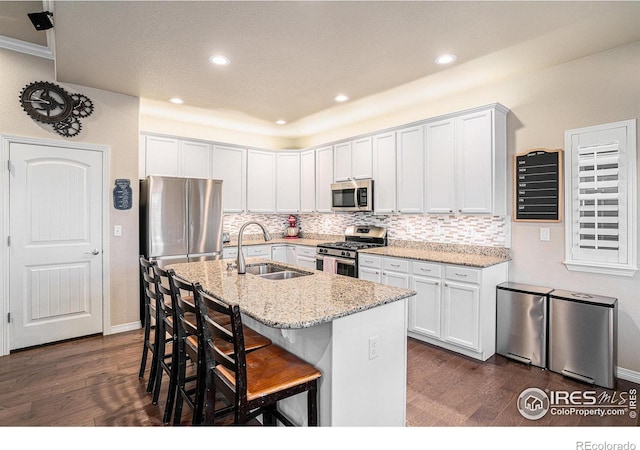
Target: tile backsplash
{"x": 493, "y": 231}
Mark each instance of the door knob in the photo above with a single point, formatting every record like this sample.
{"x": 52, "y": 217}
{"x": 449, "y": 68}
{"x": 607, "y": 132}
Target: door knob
{"x": 94, "y": 252}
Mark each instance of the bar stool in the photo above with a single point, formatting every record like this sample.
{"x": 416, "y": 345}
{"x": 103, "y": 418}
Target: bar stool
{"x": 150, "y": 320}
{"x": 254, "y": 381}
{"x": 166, "y": 363}
{"x": 190, "y": 345}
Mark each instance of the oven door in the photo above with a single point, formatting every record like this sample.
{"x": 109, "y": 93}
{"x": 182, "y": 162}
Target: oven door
{"x": 347, "y": 267}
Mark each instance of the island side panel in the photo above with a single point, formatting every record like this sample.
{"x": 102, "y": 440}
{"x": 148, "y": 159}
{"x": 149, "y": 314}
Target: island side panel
{"x": 313, "y": 345}
{"x": 370, "y": 391}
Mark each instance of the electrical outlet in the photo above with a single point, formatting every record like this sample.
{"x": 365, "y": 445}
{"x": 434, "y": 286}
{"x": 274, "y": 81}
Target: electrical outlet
{"x": 544, "y": 234}
{"x": 374, "y": 347}
{"x": 117, "y": 230}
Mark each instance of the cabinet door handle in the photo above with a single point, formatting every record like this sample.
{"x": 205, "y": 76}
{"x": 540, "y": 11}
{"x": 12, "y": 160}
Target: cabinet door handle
{"x": 437, "y": 283}
{"x": 463, "y": 275}
{"x": 425, "y": 270}
{"x": 394, "y": 265}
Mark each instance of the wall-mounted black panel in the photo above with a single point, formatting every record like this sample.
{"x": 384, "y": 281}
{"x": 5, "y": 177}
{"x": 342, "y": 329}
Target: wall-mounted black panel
{"x": 538, "y": 186}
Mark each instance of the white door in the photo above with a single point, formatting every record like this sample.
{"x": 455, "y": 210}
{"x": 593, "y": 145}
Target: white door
{"x": 55, "y": 275}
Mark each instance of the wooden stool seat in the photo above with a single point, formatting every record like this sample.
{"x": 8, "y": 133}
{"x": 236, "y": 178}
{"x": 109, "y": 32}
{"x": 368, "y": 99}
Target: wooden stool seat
{"x": 272, "y": 369}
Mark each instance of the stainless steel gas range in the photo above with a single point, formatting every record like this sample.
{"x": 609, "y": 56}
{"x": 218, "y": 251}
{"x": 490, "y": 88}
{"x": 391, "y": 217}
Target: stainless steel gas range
{"x": 342, "y": 257}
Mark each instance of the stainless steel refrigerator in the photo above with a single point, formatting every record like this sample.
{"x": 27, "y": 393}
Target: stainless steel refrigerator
{"x": 180, "y": 219}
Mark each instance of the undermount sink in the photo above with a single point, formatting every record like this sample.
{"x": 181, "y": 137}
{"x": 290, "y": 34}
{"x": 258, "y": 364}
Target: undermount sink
{"x": 273, "y": 272}
{"x": 284, "y": 275}
{"x": 261, "y": 269}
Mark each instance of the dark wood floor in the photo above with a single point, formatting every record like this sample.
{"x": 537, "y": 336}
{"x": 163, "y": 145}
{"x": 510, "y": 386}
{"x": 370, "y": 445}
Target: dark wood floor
{"x": 94, "y": 382}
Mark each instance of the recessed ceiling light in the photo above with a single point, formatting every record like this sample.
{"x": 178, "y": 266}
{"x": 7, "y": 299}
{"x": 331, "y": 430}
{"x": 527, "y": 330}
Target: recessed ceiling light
{"x": 219, "y": 60}
{"x": 341, "y": 98}
{"x": 176, "y": 100}
{"x": 446, "y": 59}
{"x": 281, "y": 122}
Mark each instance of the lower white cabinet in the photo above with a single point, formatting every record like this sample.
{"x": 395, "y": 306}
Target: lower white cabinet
{"x": 284, "y": 253}
{"x": 306, "y": 257}
{"x": 229, "y": 252}
{"x": 395, "y": 272}
{"x": 454, "y": 306}
{"x": 257, "y": 251}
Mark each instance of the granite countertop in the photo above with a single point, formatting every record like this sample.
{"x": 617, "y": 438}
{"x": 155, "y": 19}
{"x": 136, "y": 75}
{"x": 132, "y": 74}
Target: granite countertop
{"x": 261, "y": 241}
{"x": 440, "y": 256}
{"x": 294, "y": 303}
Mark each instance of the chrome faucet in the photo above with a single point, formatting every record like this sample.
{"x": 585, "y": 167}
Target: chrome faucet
{"x": 240, "y": 260}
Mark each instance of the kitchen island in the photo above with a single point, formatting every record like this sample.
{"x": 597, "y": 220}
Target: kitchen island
{"x": 352, "y": 330}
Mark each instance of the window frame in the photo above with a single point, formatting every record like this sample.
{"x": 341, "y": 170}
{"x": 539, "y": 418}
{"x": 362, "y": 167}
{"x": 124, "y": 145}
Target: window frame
{"x": 627, "y": 189}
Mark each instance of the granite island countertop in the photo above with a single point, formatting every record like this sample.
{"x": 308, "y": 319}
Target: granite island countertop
{"x": 294, "y": 303}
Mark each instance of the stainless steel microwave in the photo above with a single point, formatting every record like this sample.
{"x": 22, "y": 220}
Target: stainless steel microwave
{"x": 356, "y": 195}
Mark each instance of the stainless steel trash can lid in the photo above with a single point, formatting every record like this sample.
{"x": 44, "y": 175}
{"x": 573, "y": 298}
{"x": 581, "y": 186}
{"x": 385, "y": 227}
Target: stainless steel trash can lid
{"x": 582, "y": 297}
{"x": 525, "y": 288}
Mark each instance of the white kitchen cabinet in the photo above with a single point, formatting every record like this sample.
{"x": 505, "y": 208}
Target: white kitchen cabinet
{"x": 261, "y": 181}
{"x": 196, "y": 159}
{"x": 466, "y": 162}
{"x": 362, "y": 158}
{"x": 168, "y": 156}
{"x": 288, "y": 182}
{"x": 440, "y": 178}
{"x": 230, "y": 253}
{"x": 481, "y": 162}
{"x": 230, "y": 165}
{"x": 342, "y": 161}
{"x": 306, "y": 257}
{"x": 384, "y": 173}
{"x": 370, "y": 267}
{"x": 257, "y": 251}
{"x": 455, "y": 306}
{"x": 395, "y": 272}
{"x": 426, "y": 306}
{"x": 162, "y": 156}
{"x": 410, "y": 169}
{"x": 461, "y": 314}
{"x": 324, "y": 178}
{"x": 284, "y": 253}
{"x": 308, "y": 181}
{"x": 353, "y": 160}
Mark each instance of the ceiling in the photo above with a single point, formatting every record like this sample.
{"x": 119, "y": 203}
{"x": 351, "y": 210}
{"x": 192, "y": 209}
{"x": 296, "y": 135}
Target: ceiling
{"x": 289, "y": 59}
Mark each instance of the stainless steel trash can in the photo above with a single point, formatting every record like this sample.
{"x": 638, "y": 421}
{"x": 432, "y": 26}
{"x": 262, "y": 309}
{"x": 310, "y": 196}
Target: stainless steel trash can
{"x": 521, "y": 322}
{"x": 583, "y": 337}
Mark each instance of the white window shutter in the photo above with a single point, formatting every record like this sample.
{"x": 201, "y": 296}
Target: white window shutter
{"x": 600, "y": 206}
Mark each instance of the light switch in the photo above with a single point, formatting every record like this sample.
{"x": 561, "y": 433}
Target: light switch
{"x": 117, "y": 230}
{"x": 544, "y": 234}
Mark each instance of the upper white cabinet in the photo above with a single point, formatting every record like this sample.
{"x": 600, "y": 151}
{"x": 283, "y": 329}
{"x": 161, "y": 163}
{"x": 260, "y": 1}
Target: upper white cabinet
{"x": 353, "y": 160}
{"x": 324, "y": 178}
{"x": 342, "y": 161}
{"x": 172, "y": 157}
{"x": 261, "y": 181}
{"x": 196, "y": 159}
{"x": 362, "y": 158}
{"x": 410, "y": 169}
{"x": 384, "y": 173}
{"x": 308, "y": 181}
{"x": 481, "y": 153}
{"x": 440, "y": 179}
{"x": 466, "y": 162}
{"x": 230, "y": 165}
{"x": 288, "y": 182}
{"x": 161, "y": 156}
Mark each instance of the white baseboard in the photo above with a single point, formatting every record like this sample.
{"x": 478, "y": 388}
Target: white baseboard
{"x": 125, "y": 327}
{"x": 629, "y": 375}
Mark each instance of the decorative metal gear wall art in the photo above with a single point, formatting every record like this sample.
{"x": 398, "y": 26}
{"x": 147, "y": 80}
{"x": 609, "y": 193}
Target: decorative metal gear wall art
{"x": 50, "y": 104}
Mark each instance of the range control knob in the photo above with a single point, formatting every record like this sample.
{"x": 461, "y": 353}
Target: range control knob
{"x": 342, "y": 253}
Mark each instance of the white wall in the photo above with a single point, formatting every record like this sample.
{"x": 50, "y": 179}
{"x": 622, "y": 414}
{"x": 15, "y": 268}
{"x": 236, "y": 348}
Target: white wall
{"x": 113, "y": 123}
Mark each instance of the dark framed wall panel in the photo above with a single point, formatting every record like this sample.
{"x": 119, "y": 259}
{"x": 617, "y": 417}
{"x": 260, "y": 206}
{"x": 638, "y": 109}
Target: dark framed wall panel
{"x": 538, "y": 186}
